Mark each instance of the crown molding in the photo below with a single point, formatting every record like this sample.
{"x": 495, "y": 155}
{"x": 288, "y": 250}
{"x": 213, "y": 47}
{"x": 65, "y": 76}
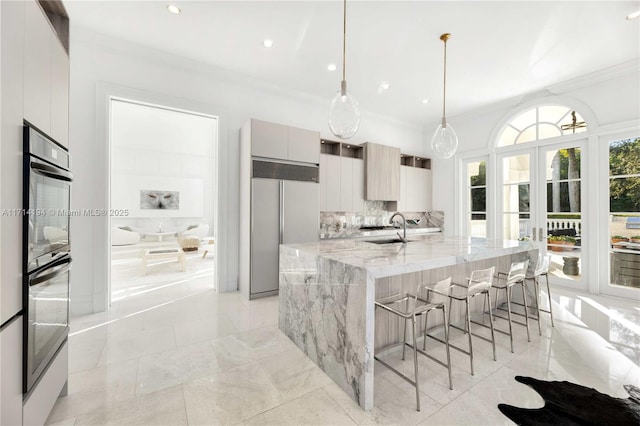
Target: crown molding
{"x": 90, "y": 38}
{"x": 596, "y": 77}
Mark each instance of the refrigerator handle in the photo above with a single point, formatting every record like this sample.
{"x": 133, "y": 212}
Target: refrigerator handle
{"x": 281, "y": 211}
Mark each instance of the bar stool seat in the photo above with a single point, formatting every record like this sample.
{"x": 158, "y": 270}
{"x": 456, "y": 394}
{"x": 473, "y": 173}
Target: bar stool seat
{"x": 410, "y": 307}
{"x": 506, "y": 281}
{"x": 479, "y": 283}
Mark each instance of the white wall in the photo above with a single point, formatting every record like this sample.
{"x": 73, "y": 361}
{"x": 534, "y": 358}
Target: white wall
{"x": 161, "y": 150}
{"x": 96, "y": 60}
{"x": 609, "y": 97}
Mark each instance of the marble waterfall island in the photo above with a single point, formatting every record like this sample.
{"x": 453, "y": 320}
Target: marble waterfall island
{"x": 328, "y": 289}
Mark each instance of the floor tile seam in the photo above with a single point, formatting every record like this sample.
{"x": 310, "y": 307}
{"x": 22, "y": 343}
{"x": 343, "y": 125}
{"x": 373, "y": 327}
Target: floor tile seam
{"x": 340, "y": 405}
{"x": 467, "y": 391}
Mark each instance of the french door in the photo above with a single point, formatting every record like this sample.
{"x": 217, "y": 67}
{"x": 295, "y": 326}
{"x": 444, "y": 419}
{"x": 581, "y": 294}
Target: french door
{"x": 540, "y": 198}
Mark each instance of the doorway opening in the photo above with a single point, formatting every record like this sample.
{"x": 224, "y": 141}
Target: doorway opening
{"x": 162, "y": 201}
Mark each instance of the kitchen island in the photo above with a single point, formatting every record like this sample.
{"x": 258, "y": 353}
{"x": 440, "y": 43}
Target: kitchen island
{"x": 328, "y": 289}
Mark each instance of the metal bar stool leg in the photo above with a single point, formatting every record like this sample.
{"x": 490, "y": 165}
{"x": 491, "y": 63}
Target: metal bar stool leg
{"x": 536, "y": 291}
{"x": 404, "y": 338}
{"x": 446, "y": 340}
{"x": 493, "y": 334}
{"x": 415, "y": 361}
{"x": 424, "y": 339}
{"x": 549, "y": 295}
{"x": 526, "y": 310}
{"x": 469, "y": 333}
{"x": 509, "y": 315}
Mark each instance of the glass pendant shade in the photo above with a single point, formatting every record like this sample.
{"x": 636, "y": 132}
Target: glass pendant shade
{"x": 444, "y": 142}
{"x": 344, "y": 114}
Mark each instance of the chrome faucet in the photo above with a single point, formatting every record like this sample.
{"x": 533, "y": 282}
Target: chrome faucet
{"x": 404, "y": 226}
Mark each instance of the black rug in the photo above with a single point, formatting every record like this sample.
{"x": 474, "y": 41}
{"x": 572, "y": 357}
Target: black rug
{"x": 571, "y": 404}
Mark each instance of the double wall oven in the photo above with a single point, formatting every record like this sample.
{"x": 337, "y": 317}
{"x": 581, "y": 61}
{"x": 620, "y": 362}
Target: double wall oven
{"x": 46, "y": 251}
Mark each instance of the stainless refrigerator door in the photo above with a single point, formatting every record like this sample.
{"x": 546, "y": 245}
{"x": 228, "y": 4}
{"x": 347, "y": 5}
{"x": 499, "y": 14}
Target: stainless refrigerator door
{"x": 265, "y": 235}
{"x": 301, "y": 212}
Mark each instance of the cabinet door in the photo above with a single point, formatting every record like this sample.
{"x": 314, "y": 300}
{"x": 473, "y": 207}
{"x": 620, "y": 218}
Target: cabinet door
{"x": 11, "y": 372}
{"x": 37, "y": 67}
{"x": 346, "y": 184}
{"x": 422, "y": 183}
{"x": 358, "y": 185}
{"x": 269, "y": 139}
{"x": 333, "y": 183}
{"x": 59, "y": 93}
{"x": 428, "y": 203}
{"x": 383, "y": 172}
{"x": 304, "y": 145}
{"x": 403, "y": 204}
{"x": 323, "y": 182}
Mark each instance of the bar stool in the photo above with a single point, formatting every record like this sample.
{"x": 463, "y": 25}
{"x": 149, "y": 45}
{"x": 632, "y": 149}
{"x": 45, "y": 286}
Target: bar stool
{"x": 542, "y": 269}
{"x": 479, "y": 283}
{"x": 416, "y": 305}
{"x": 516, "y": 276}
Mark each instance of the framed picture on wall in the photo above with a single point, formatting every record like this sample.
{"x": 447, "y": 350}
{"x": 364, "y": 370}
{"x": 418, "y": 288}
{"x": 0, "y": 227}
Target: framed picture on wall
{"x": 158, "y": 200}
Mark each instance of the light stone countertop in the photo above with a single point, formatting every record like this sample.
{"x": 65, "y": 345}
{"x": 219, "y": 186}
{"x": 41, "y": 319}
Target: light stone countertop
{"x": 422, "y": 252}
{"x": 358, "y": 233}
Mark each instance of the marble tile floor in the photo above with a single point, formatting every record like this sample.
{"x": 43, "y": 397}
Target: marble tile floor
{"x": 188, "y": 355}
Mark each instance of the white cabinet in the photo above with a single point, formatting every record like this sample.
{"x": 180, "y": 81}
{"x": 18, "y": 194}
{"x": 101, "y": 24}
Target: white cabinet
{"x": 304, "y": 145}
{"x": 46, "y": 76}
{"x": 346, "y": 184}
{"x": 272, "y": 140}
{"x": 415, "y": 189}
{"x": 11, "y": 373}
{"x": 37, "y": 67}
{"x": 358, "y": 185}
{"x": 59, "y": 93}
{"x": 341, "y": 183}
{"x": 269, "y": 139}
{"x": 332, "y": 183}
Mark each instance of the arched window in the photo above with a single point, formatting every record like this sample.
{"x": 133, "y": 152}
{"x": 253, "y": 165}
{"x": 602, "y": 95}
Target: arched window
{"x": 542, "y": 122}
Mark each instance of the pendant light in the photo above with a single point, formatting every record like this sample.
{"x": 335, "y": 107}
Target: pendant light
{"x": 344, "y": 114}
{"x": 444, "y": 142}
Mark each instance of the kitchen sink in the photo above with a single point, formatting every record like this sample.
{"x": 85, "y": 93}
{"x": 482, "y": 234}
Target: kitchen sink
{"x": 388, "y": 241}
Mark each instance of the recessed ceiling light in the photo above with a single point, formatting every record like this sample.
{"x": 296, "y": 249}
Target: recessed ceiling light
{"x": 267, "y": 42}
{"x": 425, "y": 101}
{"x": 633, "y": 15}
{"x": 174, "y": 9}
{"x": 385, "y": 86}
{"x": 331, "y": 67}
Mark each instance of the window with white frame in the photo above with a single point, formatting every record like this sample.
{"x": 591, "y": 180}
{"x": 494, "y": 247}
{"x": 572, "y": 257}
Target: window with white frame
{"x": 541, "y": 122}
{"x": 476, "y": 194}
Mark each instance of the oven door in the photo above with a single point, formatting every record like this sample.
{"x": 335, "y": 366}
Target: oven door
{"x": 47, "y": 213}
{"x": 47, "y": 315}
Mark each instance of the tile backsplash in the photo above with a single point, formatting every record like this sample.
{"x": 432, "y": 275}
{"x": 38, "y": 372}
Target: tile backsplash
{"x": 376, "y": 214}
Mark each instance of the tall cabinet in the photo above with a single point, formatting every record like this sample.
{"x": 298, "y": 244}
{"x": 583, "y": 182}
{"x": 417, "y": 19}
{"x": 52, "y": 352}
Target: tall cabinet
{"x": 279, "y": 196}
{"x": 341, "y": 177}
{"x": 34, "y": 87}
{"x": 415, "y": 184}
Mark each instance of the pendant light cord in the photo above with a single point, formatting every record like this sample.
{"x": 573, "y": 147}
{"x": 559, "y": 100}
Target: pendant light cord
{"x": 344, "y": 40}
{"x": 444, "y": 38}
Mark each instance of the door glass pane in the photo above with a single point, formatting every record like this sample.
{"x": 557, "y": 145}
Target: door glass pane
{"x": 624, "y": 208}
{"x": 516, "y": 197}
{"x": 564, "y": 224}
{"x": 477, "y": 201}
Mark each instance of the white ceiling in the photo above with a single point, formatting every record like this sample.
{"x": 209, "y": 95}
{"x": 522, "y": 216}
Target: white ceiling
{"x": 498, "y": 50}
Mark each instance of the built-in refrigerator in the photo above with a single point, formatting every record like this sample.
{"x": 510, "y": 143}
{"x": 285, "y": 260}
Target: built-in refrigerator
{"x": 284, "y": 210}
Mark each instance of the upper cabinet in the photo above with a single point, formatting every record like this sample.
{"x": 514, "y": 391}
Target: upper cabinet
{"x": 415, "y": 184}
{"x": 37, "y": 67}
{"x": 272, "y": 140}
{"x": 382, "y": 172}
{"x": 46, "y": 76}
{"x": 341, "y": 177}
